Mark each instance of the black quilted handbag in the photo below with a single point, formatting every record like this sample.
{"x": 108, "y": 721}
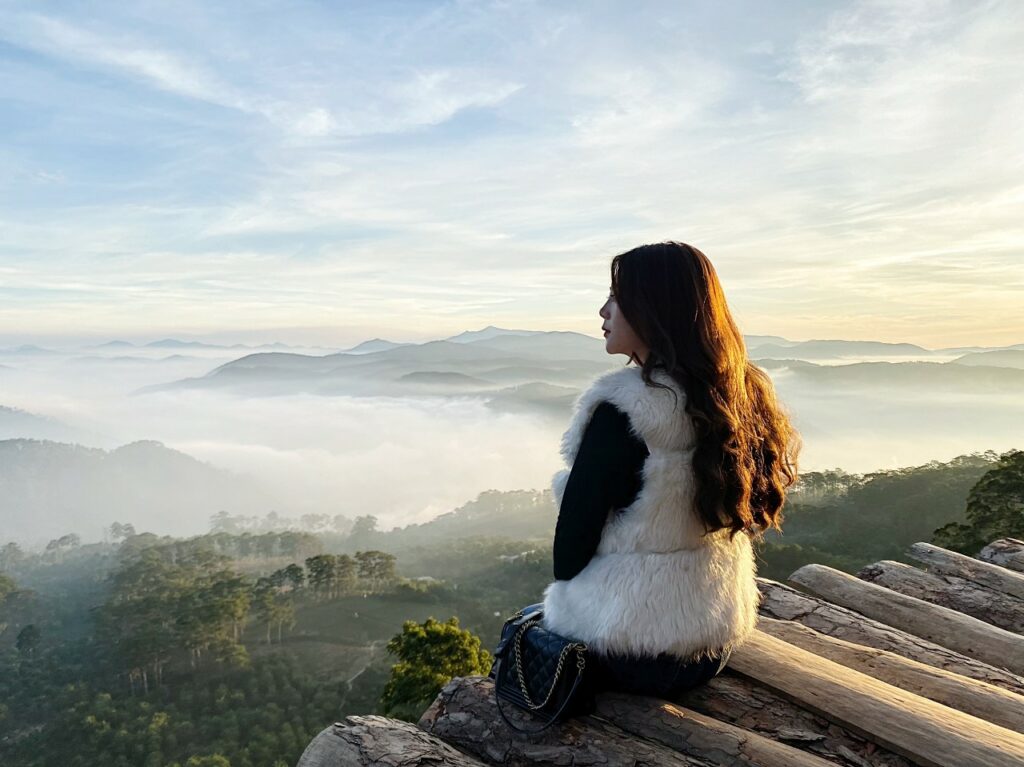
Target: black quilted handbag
{"x": 540, "y": 671}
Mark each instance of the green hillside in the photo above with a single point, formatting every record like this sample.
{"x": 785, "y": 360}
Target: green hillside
{"x": 155, "y": 651}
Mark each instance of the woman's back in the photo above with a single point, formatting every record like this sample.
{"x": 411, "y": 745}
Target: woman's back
{"x": 651, "y": 587}
{"x": 606, "y": 477}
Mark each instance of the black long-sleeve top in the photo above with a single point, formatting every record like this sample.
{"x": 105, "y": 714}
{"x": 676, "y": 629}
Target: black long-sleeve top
{"x": 605, "y": 475}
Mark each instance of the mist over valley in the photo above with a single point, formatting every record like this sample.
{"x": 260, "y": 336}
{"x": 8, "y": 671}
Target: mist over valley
{"x": 168, "y": 433}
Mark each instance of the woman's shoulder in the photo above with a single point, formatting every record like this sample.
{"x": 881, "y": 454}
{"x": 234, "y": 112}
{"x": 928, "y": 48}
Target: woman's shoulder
{"x": 609, "y": 410}
{"x": 611, "y": 424}
{"x": 609, "y": 416}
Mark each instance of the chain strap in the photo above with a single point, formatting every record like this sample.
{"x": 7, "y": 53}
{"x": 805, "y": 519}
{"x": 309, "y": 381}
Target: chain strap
{"x": 580, "y": 663}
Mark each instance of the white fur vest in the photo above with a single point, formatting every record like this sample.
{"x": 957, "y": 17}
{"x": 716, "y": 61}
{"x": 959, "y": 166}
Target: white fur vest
{"x": 654, "y": 585}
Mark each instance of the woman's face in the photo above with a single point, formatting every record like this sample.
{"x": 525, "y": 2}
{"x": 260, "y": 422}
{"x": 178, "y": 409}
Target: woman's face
{"x": 619, "y": 337}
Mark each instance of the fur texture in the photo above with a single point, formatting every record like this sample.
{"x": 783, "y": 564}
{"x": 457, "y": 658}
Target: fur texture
{"x": 654, "y": 585}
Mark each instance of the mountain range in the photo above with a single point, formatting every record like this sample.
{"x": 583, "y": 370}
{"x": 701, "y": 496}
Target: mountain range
{"x": 521, "y": 370}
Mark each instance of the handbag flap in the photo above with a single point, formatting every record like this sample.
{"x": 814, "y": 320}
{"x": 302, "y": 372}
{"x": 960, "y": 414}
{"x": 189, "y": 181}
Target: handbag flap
{"x": 540, "y": 650}
{"x": 510, "y": 627}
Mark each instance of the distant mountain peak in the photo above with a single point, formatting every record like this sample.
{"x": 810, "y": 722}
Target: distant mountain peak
{"x": 143, "y": 445}
{"x": 491, "y": 331}
{"x": 373, "y": 345}
{"x": 174, "y": 343}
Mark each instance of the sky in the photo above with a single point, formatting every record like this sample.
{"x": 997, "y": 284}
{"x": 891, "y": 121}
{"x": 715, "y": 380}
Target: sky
{"x": 324, "y": 173}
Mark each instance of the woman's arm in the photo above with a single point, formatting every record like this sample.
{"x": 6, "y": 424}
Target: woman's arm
{"x": 605, "y": 475}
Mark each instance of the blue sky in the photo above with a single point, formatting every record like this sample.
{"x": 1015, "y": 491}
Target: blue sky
{"x": 328, "y": 172}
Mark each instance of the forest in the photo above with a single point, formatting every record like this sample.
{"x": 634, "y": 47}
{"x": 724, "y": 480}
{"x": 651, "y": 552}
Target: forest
{"x": 234, "y": 648}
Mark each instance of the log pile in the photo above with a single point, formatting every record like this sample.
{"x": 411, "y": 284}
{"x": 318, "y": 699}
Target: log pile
{"x": 897, "y": 666}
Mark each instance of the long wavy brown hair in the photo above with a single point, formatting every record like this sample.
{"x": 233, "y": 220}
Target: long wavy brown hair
{"x": 746, "y": 452}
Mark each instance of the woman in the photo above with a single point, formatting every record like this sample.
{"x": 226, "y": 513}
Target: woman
{"x": 675, "y": 463}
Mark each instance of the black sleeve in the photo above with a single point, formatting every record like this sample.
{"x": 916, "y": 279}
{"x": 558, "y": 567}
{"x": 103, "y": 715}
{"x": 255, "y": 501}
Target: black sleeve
{"x": 605, "y": 475}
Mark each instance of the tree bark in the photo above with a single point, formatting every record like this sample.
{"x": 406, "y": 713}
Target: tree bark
{"x": 1005, "y": 552}
{"x": 940, "y": 625}
{"x": 696, "y": 734}
{"x": 925, "y": 732}
{"x": 377, "y": 740}
{"x": 993, "y": 607}
{"x": 786, "y": 603}
{"x": 465, "y": 715}
{"x": 745, "y": 703}
{"x": 945, "y": 562}
{"x": 986, "y": 701}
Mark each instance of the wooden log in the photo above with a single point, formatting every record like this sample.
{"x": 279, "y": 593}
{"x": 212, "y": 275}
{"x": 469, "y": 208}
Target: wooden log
{"x": 1005, "y": 552}
{"x": 745, "y": 703}
{"x": 993, "y": 607}
{"x": 464, "y": 715}
{"x": 377, "y": 740}
{"x": 949, "y": 628}
{"x": 946, "y": 562}
{"x": 925, "y": 732}
{"x": 696, "y": 734}
{"x": 985, "y": 701}
{"x": 786, "y": 603}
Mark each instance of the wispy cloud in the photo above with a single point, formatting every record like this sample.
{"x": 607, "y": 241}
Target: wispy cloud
{"x": 333, "y": 165}
{"x": 122, "y": 54}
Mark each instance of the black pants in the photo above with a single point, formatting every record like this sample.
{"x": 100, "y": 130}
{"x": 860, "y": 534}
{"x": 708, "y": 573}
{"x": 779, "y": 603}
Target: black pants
{"x": 662, "y": 676}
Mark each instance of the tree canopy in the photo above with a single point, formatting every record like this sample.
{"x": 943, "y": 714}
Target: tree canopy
{"x": 995, "y": 508}
{"x": 430, "y": 654}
